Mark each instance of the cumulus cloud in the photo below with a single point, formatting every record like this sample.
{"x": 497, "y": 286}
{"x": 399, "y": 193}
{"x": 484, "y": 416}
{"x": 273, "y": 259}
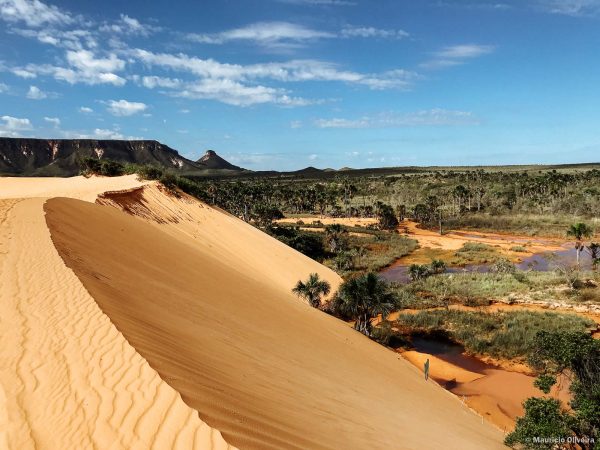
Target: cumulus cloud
{"x": 85, "y": 110}
{"x": 431, "y": 117}
{"x": 13, "y": 126}
{"x": 36, "y": 93}
{"x": 83, "y": 67}
{"x": 125, "y": 108}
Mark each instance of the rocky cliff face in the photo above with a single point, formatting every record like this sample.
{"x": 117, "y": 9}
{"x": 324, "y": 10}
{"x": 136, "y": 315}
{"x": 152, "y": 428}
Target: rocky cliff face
{"x": 59, "y": 157}
{"x": 213, "y": 161}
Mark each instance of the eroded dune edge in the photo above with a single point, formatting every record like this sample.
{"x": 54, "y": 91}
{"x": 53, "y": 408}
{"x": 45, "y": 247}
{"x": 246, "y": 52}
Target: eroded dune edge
{"x": 199, "y": 299}
{"x": 68, "y": 378}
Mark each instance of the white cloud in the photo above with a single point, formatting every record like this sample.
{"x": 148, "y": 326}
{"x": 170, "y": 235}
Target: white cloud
{"x": 3, "y": 88}
{"x": 33, "y": 13}
{"x": 76, "y": 39}
{"x": 235, "y": 93}
{"x": 85, "y": 110}
{"x": 295, "y": 124}
{"x": 313, "y": 157}
{"x": 271, "y": 34}
{"x": 152, "y": 82}
{"x": 85, "y": 68}
{"x": 290, "y": 35}
{"x": 85, "y": 61}
{"x": 212, "y": 71}
{"x": 13, "y": 126}
{"x": 125, "y": 108}
{"x": 100, "y": 133}
{"x": 23, "y": 73}
{"x": 129, "y": 25}
{"x": 571, "y": 7}
{"x": 464, "y": 51}
{"x": 321, "y": 2}
{"x": 431, "y": 117}
{"x": 53, "y": 120}
{"x": 36, "y": 93}
{"x": 457, "y": 54}
{"x": 371, "y": 32}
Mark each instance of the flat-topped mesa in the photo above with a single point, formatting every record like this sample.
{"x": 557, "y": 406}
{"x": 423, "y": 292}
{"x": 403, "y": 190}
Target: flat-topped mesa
{"x": 211, "y": 160}
{"x": 60, "y": 157}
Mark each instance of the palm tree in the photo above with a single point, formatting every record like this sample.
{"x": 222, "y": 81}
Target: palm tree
{"x": 363, "y": 298}
{"x": 335, "y": 236}
{"x": 312, "y": 289}
{"x": 579, "y": 231}
{"x": 594, "y": 249}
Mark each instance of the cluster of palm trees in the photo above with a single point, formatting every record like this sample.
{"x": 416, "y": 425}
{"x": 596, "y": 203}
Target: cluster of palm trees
{"x": 360, "y": 298}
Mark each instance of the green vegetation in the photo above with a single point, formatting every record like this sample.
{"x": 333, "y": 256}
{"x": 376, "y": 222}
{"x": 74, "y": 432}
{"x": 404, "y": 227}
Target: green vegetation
{"x": 579, "y": 231}
{"x": 363, "y": 297}
{"x": 576, "y": 355}
{"x": 502, "y": 335}
{"x": 472, "y": 288}
{"x": 475, "y": 253}
{"x": 418, "y": 272}
{"x": 312, "y": 289}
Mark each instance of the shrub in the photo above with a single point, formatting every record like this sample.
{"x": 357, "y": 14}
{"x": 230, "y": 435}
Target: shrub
{"x": 418, "y": 272}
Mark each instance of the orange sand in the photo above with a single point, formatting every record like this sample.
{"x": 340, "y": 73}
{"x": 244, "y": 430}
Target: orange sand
{"x": 451, "y": 241}
{"x": 68, "y": 378}
{"x": 347, "y": 221}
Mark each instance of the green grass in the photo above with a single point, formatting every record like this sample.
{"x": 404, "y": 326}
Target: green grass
{"x": 481, "y": 288}
{"x": 500, "y": 335}
{"x": 525, "y": 224}
{"x": 475, "y": 253}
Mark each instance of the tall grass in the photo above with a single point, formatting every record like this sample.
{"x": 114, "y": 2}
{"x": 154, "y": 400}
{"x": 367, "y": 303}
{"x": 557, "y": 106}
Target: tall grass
{"x": 501, "y": 335}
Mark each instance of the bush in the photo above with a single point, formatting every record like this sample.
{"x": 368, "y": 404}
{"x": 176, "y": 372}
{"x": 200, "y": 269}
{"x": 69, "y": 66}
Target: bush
{"x": 518, "y": 249}
{"x": 104, "y": 167}
{"x": 309, "y": 244}
{"x": 418, "y": 272}
{"x": 148, "y": 172}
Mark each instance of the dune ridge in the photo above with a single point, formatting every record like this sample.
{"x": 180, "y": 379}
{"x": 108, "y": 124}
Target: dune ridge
{"x": 243, "y": 248}
{"x": 68, "y": 378}
{"x": 221, "y": 326}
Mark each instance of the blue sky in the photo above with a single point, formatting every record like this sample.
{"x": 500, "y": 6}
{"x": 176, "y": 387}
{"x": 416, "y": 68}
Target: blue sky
{"x": 283, "y": 84}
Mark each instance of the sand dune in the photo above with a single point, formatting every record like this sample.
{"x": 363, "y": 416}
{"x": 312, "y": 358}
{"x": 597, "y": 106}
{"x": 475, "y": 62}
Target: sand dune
{"x": 176, "y": 328}
{"x": 260, "y": 366}
{"x": 68, "y": 378}
{"x": 76, "y": 187}
{"x": 242, "y": 248}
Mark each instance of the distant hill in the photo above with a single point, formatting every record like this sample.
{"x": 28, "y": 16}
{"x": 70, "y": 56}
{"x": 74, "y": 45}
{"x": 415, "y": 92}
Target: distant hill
{"x": 59, "y": 157}
{"x": 213, "y": 161}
